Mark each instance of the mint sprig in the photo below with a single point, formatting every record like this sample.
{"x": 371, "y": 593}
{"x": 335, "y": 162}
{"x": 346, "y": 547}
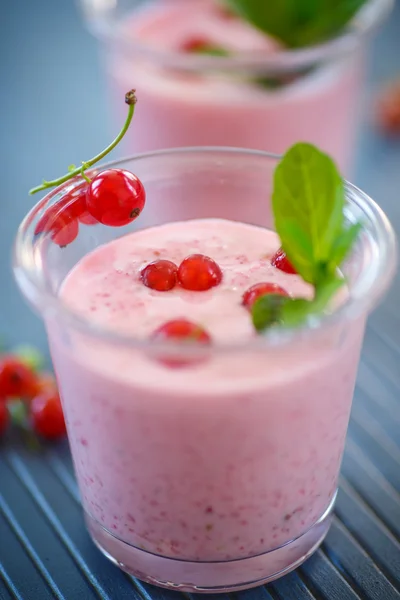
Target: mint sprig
{"x": 297, "y": 23}
{"x": 308, "y": 203}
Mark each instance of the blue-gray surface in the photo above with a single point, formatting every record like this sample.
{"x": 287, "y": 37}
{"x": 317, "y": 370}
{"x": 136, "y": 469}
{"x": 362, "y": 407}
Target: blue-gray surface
{"x": 52, "y": 108}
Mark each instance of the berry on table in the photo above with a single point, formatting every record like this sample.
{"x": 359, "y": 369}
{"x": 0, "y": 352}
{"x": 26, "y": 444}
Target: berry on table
{"x": 261, "y": 289}
{"x": 181, "y": 330}
{"x": 160, "y": 275}
{"x": 388, "y": 109}
{"x": 115, "y": 197}
{"x": 16, "y": 379}
{"x": 47, "y": 416}
{"x": 45, "y": 382}
{"x": 4, "y": 417}
{"x": 199, "y": 273}
{"x": 281, "y": 262}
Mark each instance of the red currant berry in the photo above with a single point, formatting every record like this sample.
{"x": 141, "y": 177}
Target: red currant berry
{"x": 47, "y": 415}
{"x": 160, "y": 275}
{"x": 69, "y": 208}
{"x": 115, "y": 197}
{"x": 4, "y": 417}
{"x": 195, "y": 44}
{"x": 16, "y": 379}
{"x": 281, "y": 262}
{"x": 181, "y": 330}
{"x": 86, "y": 219}
{"x": 61, "y": 220}
{"x": 389, "y": 109}
{"x": 199, "y": 273}
{"x": 261, "y": 289}
{"x": 66, "y": 235}
{"x": 75, "y": 201}
{"x": 45, "y": 382}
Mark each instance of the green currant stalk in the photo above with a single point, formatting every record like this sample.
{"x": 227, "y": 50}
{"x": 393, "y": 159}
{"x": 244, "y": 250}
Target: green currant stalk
{"x": 130, "y": 100}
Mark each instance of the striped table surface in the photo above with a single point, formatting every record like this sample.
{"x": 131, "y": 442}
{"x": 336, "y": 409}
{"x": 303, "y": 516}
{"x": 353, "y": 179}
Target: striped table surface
{"x": 46, "y": 553}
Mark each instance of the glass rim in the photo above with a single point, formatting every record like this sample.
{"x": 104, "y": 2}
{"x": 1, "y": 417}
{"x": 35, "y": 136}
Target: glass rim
{"x": 367, "y": 19}
{"x": 370, "y": 285}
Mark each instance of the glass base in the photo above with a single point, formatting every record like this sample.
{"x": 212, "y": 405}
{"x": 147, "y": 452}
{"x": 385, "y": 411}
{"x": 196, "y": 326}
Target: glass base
{"x": 209, "y": 577}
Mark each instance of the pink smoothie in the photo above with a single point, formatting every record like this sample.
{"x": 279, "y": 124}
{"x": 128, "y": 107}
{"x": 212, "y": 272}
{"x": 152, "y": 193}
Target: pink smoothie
{"x": 188, "y": 108}
{"x": 222, "y": 459}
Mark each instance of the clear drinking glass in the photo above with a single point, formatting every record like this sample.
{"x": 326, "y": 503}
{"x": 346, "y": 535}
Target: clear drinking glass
{"x": 224, "y": 476}
{"x": 252, "y": 99}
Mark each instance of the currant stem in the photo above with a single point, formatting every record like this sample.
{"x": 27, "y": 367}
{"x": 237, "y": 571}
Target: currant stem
{"x": 131, "y": 100}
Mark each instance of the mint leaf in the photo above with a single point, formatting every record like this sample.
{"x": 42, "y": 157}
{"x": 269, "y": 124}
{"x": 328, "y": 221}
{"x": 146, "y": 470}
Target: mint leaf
{"x": 272, "y": 309}
{"x": 267, "y": 310}
{"x": 296, "y": 311}
{"x": 344, "y": 243}
{"x": 297, "y": 23}
{"x": 308, "y": 203}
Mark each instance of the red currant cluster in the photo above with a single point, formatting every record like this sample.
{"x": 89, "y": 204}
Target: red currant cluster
{"x": 30, "y": 398}
{"x": 114, "y": 197}
{"x": 200, "y": 273}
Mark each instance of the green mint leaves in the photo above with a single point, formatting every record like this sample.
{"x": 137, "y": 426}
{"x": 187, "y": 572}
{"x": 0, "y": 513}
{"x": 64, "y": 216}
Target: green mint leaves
{"x": 308, "y": 203}
{"x": 297, "y": 23}
{"x": 308, "y": 206}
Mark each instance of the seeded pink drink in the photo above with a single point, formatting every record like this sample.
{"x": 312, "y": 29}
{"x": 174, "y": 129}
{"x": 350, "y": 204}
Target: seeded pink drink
{"x": 210, "y": 465}
{"x": 261, "y": 96}
{"x": 223, "y": 460}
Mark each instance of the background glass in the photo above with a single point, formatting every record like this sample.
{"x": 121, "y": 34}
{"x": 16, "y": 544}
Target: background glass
{"x": 250, "y": 100}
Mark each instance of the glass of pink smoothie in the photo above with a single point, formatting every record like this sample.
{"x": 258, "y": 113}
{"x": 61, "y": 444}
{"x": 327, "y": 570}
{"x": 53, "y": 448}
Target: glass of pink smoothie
{"x": 262, "y": 96}
{"x": 219, "y": 472}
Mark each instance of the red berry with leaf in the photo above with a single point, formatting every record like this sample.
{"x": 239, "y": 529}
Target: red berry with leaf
{"x": 261, "y": 289}
{"x": 160, "y": 275}
{"x": 115, "y": 197}
{"x": 281, "y": 262}
{"x": 47, "y": 416}
{"x": 199, "y": 273}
